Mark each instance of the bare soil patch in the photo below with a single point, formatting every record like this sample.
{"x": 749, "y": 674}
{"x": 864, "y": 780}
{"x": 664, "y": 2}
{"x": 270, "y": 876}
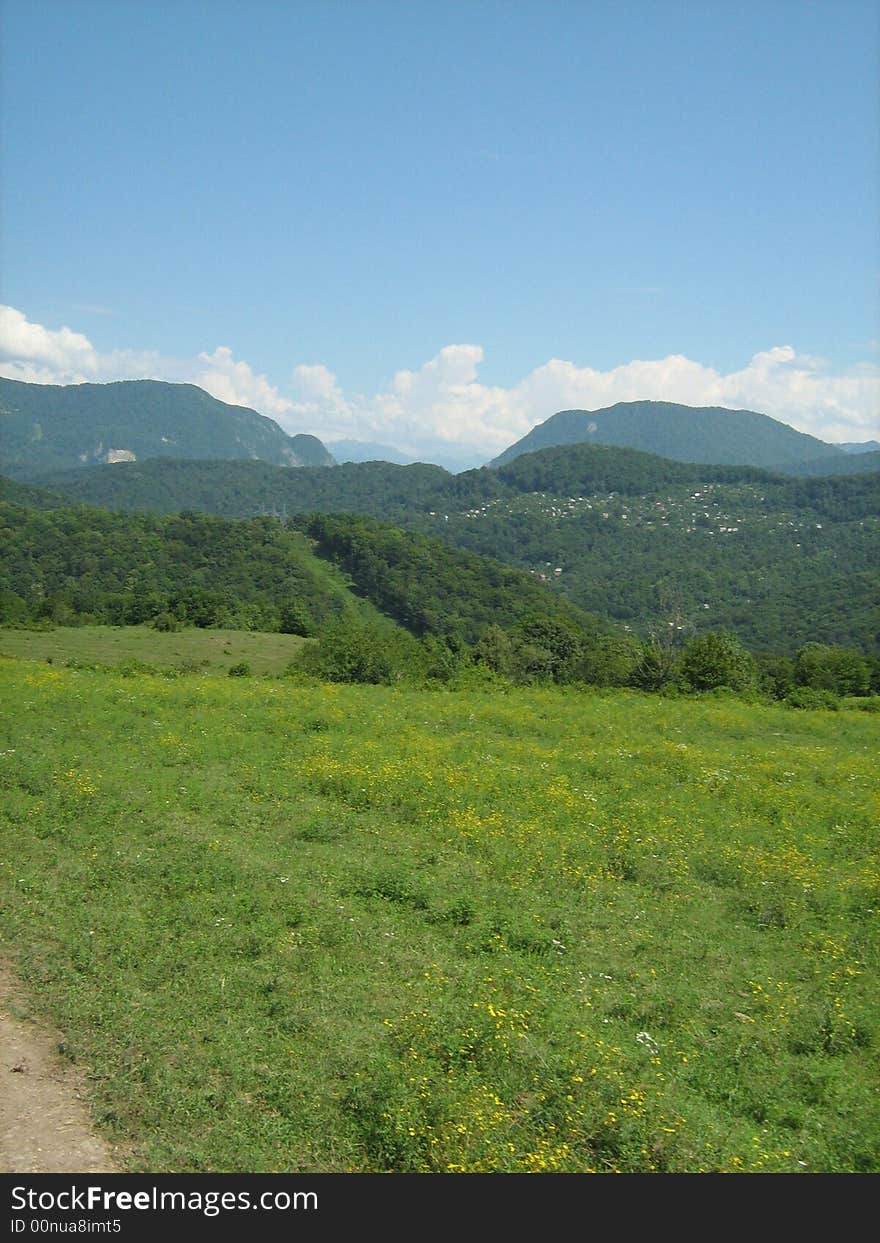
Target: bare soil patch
{"x": 45, "y": 1126}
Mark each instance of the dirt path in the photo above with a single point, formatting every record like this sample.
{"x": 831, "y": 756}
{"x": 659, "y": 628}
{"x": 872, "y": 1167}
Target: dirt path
{"x": 44, "y": 1124}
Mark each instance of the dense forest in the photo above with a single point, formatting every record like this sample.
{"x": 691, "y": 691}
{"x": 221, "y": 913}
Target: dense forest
{"x": 774, "y": 565}
{"x": 244, "y": 489}
{"x": 854, "y": 463}
{"x": 640, "y": 539}
{"x": 383, "y": 604}
{"x": 429, "y": 587}
{"x": 68, "y": 566}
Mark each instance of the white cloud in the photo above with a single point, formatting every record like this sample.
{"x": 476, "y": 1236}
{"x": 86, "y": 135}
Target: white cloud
{"x": 319, "y": 393}
{"x": 32, "y": 348}
{"x": 236, "y": 383}
{"x": 443, "y": 404}
{"x": 39, "y": 355}
{"x": 445, "y": 400}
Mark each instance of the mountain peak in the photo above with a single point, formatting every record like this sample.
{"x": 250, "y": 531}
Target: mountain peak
{"x": 50, "y": 427}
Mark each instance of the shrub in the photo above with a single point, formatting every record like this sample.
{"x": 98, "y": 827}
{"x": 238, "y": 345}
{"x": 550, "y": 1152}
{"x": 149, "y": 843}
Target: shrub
{"x": 610, "y": 661}
{"x": 294, "y": 619}
{"x": 356, "y": 651}
{"x": 810, "y": 697}
{"x": 131, "y": 667}
{"x": 166, "y": 622}
{"x": 776, "y": 675}
{"x": 837, "y": 669}
{"x": 713, "y": 660}
{"x": 440, "y": 663}
{"x": 869, "y": 704}
{"x": 241, "y": 670}
{"x": 547, "y": 647}
{"x": 494, "y": 650}
{"x": 656, "y": 668}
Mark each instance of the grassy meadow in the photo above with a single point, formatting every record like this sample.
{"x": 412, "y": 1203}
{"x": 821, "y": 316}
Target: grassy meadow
{"x": 313, "y": 928}
{"x": 189, "y": 650}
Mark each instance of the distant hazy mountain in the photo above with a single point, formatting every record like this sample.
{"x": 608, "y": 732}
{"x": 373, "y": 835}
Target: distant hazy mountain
{"x": 449, "y": 456}
{"x": 860, "y": 446}
{"x": 683, "y": 433}
{"x": 367, "y": 451}
{"x": 47, "y": 427}
{"x": 845, "y": 464}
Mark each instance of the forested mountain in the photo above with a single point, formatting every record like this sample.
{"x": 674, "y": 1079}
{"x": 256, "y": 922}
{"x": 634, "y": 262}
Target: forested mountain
{"x": 70, "y": 565}
{"x": 46, "y": 427}
{"x": 684, "y": 433}
{"x": 26, "y": 494}
{"x": 589, "y": 468}
{"x": 239, "y": 489}
{"x": 633, "y": 537}
{"x": 777, "y": 563}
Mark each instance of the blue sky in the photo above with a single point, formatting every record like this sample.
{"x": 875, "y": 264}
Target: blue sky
{"x": 436, "y": 223}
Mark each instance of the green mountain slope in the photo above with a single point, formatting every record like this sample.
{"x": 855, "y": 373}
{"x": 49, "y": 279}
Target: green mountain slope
{"x": 778, "y": 563}
{"x": 430, "y": 587}
{"x": 634, "y": 537}
{"x": 25, "y": 494}
{"x": 81, "y": 564}
{"x": 684, "y": 433}
{"x": 383, "y": 489}
{"x": 69, "y": 565}
{"x": 46, "y": 427}
{"x": 589, "y": 468}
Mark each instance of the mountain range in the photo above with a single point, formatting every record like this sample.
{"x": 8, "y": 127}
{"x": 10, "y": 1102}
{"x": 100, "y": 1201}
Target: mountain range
{"x": 45, "y": 428}
{"x": 631, "y": 536}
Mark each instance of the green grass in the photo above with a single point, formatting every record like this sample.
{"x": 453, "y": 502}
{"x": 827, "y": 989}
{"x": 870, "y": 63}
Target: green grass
{"x": 210, "y": 651}
{"x": 354, "y": 928}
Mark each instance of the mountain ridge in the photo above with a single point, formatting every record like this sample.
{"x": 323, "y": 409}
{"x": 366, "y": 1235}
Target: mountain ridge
{"x": 860, "y": 446}
{"x": 236, "y": 489}
{"x": 710, "y": 434}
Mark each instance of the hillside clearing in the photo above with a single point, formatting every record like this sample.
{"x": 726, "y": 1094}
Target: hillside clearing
{"x": 208, "y": 651}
